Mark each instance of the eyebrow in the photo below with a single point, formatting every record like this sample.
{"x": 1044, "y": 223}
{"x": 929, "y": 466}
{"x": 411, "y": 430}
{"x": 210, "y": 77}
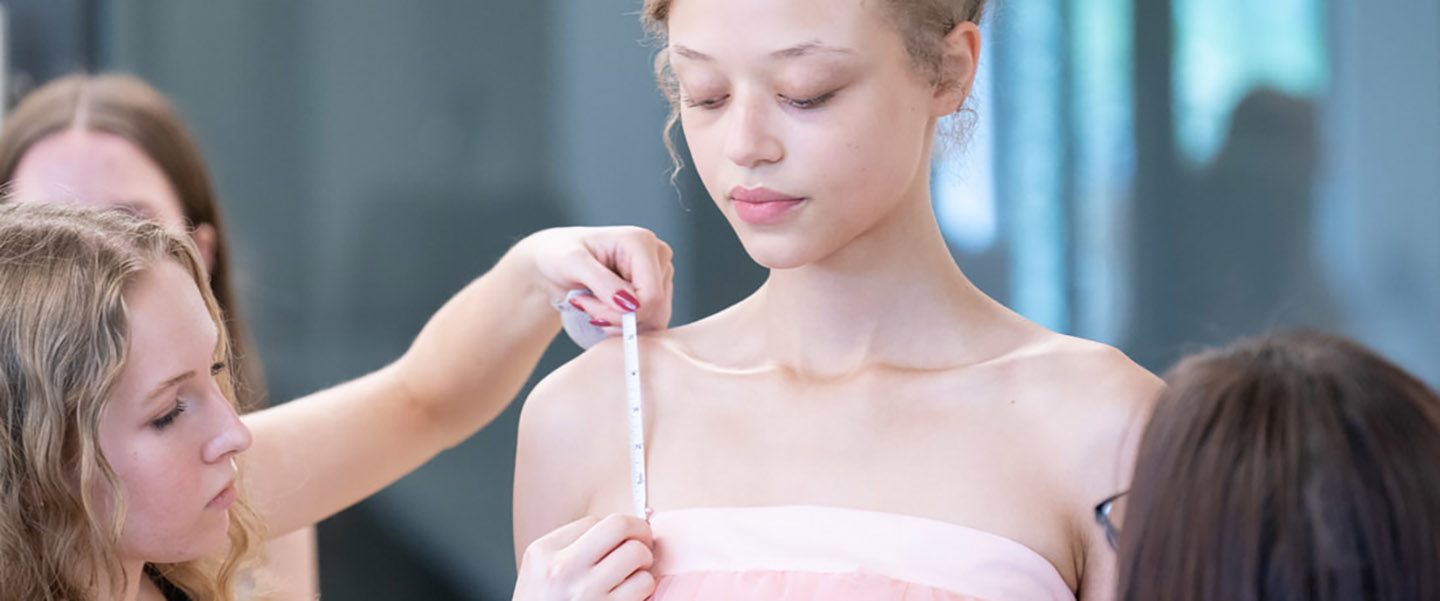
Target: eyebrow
{"x": 811, "y": 48}
{"x": 795, "y": 51}
{"x": 168, "y": 384}
{"x": 136, "y": 208}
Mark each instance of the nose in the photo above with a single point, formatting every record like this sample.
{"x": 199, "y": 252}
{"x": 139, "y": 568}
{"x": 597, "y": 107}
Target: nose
{"x": 231, "y": 436}
{"x": 750, "y": 140}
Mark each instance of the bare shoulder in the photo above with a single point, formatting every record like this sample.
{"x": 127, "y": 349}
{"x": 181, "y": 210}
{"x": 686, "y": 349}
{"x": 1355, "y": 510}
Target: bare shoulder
{"x": 564, "y": 405}
{"x": 567, "y": 418}
{"x": 582, "y": 402}
{"x": 581, "y": 405}
{"x": 1073, "y": 374}
{"x": 1096, "y": 401}
{"x": 1092, "y": 404}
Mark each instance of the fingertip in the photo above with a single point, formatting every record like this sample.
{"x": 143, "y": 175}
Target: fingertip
{"x": 626, "y": 301}
{"x": 640, "y": 553}
{"x": 617, "y": 522}
{"x": 586, "y": 303}
{"x": 601, "y": 314}
{"x": 642, "y": 531}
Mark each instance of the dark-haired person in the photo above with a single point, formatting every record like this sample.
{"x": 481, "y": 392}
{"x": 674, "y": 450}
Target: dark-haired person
{"x": 1289, "y": 467}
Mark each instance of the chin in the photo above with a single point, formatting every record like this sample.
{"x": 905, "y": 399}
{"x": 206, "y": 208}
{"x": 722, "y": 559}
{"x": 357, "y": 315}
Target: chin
{"x": 182, "y": 549}
{"x": 208, "y": 538}
{"x": 176, "y": 539}
{"x": 779, "y": 252}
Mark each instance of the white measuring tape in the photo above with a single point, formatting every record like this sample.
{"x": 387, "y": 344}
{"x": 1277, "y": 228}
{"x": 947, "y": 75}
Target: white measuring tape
{"x": 634, "y": 408}
{"x": 577, "y": 325}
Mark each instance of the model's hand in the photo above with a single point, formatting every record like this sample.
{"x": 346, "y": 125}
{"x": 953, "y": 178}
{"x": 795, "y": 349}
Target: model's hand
{"x": 589, "y": 559}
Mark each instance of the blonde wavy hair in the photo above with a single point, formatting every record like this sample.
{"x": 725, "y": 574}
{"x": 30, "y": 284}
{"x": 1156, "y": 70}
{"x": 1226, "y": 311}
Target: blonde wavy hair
{"x": 64, "y": 338}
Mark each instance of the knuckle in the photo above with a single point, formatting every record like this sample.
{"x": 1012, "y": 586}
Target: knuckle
{"x": 578, "y": 253}
{"x": 537, "y": 552}
{"x": 557, "y": 568}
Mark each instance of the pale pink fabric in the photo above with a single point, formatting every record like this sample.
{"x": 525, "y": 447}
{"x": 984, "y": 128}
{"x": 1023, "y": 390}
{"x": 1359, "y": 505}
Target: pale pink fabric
{"x": 803, "y": 553}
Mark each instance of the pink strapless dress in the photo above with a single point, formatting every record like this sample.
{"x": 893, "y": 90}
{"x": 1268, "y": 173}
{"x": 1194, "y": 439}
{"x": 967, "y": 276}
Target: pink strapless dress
{"x": 805, "y": 553}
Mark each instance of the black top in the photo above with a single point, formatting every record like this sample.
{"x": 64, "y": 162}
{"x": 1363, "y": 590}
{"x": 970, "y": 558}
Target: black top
{"x": 167, "y": 590}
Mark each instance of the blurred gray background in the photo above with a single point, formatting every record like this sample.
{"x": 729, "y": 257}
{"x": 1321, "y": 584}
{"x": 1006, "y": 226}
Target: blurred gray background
{"x": 1159, "y": 175}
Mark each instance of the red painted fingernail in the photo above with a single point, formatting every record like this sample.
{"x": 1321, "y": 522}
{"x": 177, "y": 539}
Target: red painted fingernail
{"x": 600, "y": 322}
{"x": 575, "y": 302}
{"x": 626, "y": 301}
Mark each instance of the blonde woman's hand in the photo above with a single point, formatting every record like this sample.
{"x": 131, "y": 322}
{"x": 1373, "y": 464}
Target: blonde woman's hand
{"x": 589, "y": 559}
{"x": 625, "y": 268}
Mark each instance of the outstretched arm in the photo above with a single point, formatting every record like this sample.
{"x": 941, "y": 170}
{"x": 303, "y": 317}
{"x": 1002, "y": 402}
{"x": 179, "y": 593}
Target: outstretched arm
{"x": 317, "y": 455}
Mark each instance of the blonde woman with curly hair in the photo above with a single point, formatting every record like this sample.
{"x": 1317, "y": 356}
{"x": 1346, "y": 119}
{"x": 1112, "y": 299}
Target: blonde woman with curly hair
{"x": 126, "y": 472}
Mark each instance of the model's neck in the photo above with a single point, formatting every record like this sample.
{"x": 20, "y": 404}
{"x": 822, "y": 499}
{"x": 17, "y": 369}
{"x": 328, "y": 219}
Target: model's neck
{"x": 877, "y": 301}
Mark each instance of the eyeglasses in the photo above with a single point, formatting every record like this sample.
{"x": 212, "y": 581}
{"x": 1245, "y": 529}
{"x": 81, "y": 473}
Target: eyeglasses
{"x": 1110, "y": 514}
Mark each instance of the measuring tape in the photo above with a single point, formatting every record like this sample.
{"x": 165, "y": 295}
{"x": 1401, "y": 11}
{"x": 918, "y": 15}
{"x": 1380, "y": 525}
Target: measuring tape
{"x": 577, "y": 325}
{"x": 634, "y": 408}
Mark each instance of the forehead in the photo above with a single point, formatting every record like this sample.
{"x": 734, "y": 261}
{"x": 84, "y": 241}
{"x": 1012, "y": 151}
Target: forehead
{"x": 748, "y": 28}
{"x": 96, "y": 169}
{"x": 171, "y": 331}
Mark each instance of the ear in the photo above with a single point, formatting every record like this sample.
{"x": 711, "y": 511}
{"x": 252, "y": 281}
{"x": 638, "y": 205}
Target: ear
{"x": 204, "y": 236}
{"x": 961, "y": 55}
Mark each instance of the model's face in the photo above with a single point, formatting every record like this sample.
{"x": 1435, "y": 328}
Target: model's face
{"x": 100, "y": 170}
{"x": 167, "y": 430}
{"x": 805, "y": 118}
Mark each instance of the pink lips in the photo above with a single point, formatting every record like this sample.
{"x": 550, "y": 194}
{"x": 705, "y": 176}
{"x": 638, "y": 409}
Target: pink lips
{"x": 762, "y": 205}
{"x": 224, "y": 499}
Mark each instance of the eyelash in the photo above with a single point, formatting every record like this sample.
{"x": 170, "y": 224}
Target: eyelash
{"x": 181, "y": 404}
{"x": 810, "y": 103}
{"x": 164, "y": 421}
{"x": 799, "y": 103}
{"x": 704, "y": 104}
